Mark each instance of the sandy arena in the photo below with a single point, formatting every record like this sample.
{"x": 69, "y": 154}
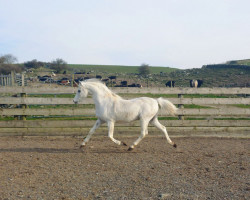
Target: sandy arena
{"x": 55, "y": 168}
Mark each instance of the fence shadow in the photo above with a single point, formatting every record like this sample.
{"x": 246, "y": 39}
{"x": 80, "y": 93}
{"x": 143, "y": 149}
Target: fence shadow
{"x": 63, "y": 151}
{"x": 40, "y": 150}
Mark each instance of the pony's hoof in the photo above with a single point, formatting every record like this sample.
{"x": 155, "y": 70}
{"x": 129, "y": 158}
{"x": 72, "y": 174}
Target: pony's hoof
{"x": 124, "y": 144}
{"x": 82, "y": 146}
{"x": 130, "y": 149}
{"x": 175, "y": 146}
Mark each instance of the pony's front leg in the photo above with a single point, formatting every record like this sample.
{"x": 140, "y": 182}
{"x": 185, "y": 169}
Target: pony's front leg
{"x": 111, "y": 125}
{"x": 98, "y": 123}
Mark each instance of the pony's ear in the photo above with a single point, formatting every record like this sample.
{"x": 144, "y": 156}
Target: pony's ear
{"x": 80, "y": 83}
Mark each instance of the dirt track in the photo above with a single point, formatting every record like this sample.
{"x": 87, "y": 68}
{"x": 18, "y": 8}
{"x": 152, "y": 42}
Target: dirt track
{"x": 54, "y": 168}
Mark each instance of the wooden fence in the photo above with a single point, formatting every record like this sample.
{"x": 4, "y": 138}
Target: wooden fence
{"x": 226, "y": 115}
{"x": 13, "y": 79}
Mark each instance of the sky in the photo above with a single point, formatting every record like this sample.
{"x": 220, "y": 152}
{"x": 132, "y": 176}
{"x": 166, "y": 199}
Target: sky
{"x": 175, "y": 33}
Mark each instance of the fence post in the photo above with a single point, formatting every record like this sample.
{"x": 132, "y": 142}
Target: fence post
{"x": 72, "y": 81}
{"x": 5, "y": 81}
{"x": 12, "y": 79}
{"x": 23, "y": 84}
{"x": 23, "y": 106}
{"x": 16, "y": 117}
{"x": 181, "y": 117}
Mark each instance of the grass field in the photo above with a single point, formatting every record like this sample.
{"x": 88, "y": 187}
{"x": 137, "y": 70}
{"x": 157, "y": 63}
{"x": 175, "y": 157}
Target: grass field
{"x": 116, "y": 68}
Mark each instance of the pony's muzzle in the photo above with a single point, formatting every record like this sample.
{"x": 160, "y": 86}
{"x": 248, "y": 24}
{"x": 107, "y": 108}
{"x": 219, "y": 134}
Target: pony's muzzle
{"x": 75, "y": 102}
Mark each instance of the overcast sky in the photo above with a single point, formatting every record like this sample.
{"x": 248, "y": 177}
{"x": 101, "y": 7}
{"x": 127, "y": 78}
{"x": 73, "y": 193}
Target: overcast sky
{"x": 174, "y": 33}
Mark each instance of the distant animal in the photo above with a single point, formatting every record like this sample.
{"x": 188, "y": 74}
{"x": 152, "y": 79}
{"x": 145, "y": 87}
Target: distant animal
{"x": 112, "y": 77}
{"x": 111, "y": 108}
{"x": 193, "y": 83}
{"x": 64, "y": 78}
{"x": 170, "y": 84}
{"x": 200, "y": 82}
{"x": 65, "y": 82}
{"x": 106, "y": 80}
{"x": 98, "y": 76}
{"x": 124, "y": 83}
{"x": 196, "y": 83}
{"x": 135, "y": 85}
{"x": 43, "y": 79}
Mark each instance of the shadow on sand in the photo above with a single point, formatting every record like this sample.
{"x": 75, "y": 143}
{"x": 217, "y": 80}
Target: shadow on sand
{"x": 57, "y": 150}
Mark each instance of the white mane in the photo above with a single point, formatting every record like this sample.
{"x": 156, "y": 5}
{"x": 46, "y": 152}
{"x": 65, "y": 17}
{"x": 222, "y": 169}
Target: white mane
{"x": 98, "y": 83}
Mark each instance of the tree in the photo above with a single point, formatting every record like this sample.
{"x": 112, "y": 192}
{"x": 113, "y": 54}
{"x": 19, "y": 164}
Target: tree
{"x": 144, "y": 70}
{"x": 7, "y": 68}
{"x": 58, "y": 65}
{"x": 34, "y": 64}
{"x": 7, "y": 64}
{"x": 8, "y": 59}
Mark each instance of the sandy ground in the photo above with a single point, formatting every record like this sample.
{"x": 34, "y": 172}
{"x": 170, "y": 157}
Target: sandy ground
{"x": 55, "y": 168}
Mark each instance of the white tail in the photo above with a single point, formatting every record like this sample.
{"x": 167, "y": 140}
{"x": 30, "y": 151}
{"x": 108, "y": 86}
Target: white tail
{"x": 167, "y": 107}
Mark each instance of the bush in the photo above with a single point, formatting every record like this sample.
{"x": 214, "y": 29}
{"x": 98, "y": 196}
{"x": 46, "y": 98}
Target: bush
{"x": 7, "y": 68}
{"x": 34, "y": 64}
{"x": 144, "y": 70}
{"x": 58, "y": 65}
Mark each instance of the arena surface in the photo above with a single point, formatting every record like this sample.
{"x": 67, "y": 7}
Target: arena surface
{"x": 55, "y": 168}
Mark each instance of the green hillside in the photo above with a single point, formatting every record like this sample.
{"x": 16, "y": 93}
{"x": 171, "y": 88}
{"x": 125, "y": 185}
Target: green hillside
{"x": 239, "y": 62}
{"x": 112, "y": 69}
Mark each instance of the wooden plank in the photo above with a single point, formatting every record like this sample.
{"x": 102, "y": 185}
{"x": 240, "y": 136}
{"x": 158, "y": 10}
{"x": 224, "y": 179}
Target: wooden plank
{"x": 58, "y": 101}
{"x": 42, "y": 101}
{"x": 39, "y": 90}
{"x": 90, "y": 123}
{"x": 210, "y": 101}
{"x": 48, "y": 112}
{"x": 184, "y": 90}
{"x": 156, "y": 90}
{"x": 232, "y": 111}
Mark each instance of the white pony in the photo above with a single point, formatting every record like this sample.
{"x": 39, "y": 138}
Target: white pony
{"x": 112, "y": 108}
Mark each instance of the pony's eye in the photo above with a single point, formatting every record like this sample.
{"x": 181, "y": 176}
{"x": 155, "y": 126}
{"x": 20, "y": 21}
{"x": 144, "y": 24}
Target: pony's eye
{"x": 79, "y": 91}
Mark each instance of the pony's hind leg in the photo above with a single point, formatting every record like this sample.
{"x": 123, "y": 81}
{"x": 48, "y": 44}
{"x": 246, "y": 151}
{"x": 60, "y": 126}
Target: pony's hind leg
{"x": 98, "y": 123}
{"x": 111, "y": 125}
{"x": 144, "y": 132}
{"x": 158, "y": 125}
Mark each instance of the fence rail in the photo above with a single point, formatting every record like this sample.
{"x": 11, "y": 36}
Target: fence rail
{"x": 233, "y": 111}
{"x": 68, "y": 101}
{"x": 91, "y": 112}
{"x": 126, "y": 90}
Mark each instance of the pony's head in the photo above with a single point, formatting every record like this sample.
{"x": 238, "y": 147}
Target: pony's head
{"x": 82, "y": 92}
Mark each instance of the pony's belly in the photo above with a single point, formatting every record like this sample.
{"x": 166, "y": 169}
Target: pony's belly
{"x": 118, "y": 117}
{"x": 127, "y": 117}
